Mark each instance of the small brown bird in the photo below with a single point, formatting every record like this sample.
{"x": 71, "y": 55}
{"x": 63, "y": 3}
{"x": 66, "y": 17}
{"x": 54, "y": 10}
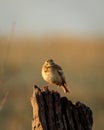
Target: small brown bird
{"x": 53, "y": 74}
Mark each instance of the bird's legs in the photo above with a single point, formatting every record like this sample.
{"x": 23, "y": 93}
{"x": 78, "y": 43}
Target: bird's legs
{"x": 46, "y": 87}
{"x": 58, "y": 86}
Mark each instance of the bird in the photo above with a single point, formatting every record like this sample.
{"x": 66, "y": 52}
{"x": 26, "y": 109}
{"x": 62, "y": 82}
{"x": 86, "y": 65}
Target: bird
{"x": 53, "y": 74}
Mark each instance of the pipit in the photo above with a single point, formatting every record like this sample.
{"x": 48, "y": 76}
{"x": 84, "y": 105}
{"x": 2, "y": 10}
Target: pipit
{"x": 53, "y": 74}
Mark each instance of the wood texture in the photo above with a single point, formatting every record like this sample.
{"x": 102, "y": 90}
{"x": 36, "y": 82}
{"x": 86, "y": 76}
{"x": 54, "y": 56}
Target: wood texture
{"x": 52, "y": 112}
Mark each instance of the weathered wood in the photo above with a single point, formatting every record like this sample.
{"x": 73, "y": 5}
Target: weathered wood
{"x": 38, "y": 104}
{"x": 52, "y": 112}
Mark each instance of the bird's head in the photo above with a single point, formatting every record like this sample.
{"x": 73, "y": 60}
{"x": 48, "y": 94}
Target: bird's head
{"x": 49, "y": 63}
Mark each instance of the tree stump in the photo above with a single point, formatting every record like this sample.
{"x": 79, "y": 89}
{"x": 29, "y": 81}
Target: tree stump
{"x": 52, "y": 112}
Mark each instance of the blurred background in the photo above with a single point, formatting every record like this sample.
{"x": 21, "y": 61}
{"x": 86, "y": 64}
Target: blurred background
{"x": 71, "y": 33}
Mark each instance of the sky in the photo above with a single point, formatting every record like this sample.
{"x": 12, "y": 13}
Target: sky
{"x": 41, "y": 16}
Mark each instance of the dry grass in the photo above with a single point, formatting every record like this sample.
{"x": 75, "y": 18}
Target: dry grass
{"x": 20, "y": 68}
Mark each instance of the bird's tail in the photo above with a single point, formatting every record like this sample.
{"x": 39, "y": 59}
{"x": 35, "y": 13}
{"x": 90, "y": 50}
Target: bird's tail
{"x": 65, "y": 88}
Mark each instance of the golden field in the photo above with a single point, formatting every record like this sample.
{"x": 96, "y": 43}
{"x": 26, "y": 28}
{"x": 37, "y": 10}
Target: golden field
{"x": 21, "y": 59}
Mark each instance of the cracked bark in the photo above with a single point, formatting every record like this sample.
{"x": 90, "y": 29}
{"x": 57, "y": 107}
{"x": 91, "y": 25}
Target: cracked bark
{"x": 52, "y": 112}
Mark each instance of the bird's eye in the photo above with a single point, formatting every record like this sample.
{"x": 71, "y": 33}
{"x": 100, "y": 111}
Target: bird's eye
{"x": 51, "y": 60}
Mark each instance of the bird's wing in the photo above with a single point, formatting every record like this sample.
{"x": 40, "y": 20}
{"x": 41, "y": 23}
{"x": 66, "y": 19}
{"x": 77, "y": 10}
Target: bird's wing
{"x": 60, "y": 72}
{"x": 57, "y": 67}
